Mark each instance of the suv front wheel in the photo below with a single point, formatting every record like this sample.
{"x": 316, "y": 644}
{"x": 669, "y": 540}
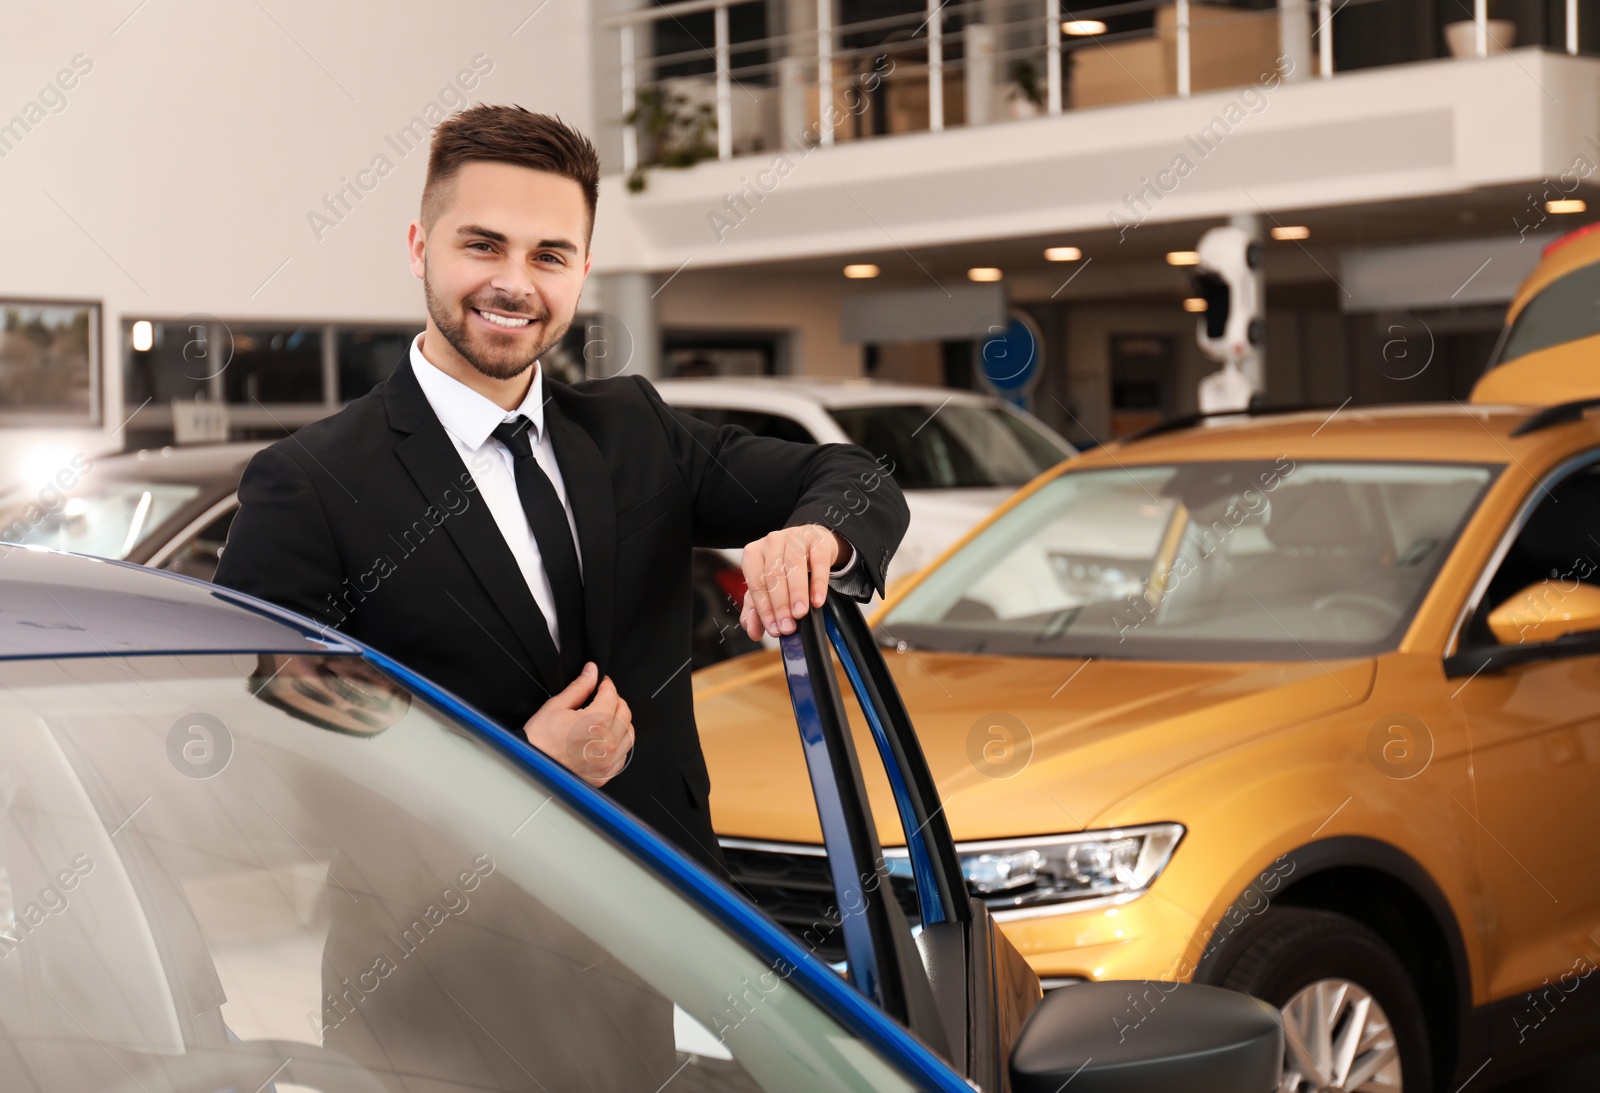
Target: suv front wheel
{"x": 1351, "y": 1018}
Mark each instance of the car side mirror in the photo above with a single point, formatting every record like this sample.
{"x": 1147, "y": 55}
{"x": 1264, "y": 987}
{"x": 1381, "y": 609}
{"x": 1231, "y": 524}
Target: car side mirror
{"x": 1545, "y": 611}
{"x": 1149, "y": 1037}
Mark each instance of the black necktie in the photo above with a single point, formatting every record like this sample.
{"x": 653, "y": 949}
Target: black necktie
{"x": 548, "y": 520}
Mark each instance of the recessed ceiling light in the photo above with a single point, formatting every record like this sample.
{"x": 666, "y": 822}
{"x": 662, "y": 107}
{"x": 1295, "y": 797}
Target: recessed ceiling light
{"x": 1291, "y": 231}
{"x": 1194, "y": 303}
{"x": 1183, "y": 258}
{"x": 1062, "y": 254}
{"x": 861, "y": 271}
{"x": 1566, "y": 205}
{"x": 1083, "y": 28}
{"x": 983, "y": 273}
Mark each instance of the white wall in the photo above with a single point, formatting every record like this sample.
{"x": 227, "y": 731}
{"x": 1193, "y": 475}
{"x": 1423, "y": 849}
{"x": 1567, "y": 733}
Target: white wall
{"x": 807, "y": 307}
{"x": 179, "y": 174}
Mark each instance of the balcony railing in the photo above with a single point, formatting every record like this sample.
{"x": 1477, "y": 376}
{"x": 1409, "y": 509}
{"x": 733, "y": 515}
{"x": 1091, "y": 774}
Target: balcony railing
{"x": 692, "y": 91}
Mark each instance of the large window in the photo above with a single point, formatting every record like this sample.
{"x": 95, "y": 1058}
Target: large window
{"x": 273, "y": 377}
{"x": 49, "y": 362}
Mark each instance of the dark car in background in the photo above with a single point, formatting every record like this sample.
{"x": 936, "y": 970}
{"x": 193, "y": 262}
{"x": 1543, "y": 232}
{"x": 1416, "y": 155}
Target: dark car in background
{"x": 170, "y": 508}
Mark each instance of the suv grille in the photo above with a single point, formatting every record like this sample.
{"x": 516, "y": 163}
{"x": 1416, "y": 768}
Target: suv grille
{"x": 795, "y": 888}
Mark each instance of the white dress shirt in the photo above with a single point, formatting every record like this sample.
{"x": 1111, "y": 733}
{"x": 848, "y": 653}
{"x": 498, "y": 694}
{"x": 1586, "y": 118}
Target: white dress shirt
{"x": 468, "y": 419}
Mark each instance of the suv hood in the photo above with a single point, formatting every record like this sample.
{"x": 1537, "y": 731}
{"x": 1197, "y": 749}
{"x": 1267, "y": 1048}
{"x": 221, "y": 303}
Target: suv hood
{"x": 1098, "y": 730}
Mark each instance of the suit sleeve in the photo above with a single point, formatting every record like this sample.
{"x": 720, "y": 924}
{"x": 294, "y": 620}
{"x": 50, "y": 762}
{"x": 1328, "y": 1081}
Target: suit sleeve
{"x": 745, "y": 486}
{"x": 280, "y": 547}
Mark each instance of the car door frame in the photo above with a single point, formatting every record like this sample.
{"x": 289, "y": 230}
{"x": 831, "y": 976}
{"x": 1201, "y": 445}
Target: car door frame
{"x": 960, "y": 986}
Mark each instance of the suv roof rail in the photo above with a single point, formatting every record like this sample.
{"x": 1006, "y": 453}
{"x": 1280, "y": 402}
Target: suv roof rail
{"x": 1186, "y": 421}
{"x": 1560, "y": 414}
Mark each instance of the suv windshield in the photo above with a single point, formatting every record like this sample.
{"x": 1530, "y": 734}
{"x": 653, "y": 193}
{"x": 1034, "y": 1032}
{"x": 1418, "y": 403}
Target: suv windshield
{"x": 1199, "y": 561}
{"x": 956, "y": 447}
{"x": 1565, "y": 310}
{"x": 246, "y": 871}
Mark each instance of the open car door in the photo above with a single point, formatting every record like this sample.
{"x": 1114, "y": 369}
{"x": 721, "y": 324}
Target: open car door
{"x": 955, "y": 980}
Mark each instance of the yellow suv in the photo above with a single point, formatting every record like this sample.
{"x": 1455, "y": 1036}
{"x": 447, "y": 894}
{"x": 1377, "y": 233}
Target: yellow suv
{"x": 1303, "y": 704}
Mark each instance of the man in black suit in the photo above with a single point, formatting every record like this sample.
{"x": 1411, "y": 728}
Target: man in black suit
{"x": 525, "y": 543}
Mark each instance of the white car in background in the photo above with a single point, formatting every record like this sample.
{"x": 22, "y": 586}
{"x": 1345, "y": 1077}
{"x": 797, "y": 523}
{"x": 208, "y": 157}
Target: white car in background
{"x": 955, "y": 454}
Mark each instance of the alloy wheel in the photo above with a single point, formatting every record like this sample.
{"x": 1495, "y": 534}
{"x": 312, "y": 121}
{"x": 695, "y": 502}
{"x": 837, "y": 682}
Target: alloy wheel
{"x": 1337, "y": 1039}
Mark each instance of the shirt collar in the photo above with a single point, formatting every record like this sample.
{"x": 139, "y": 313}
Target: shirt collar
{"x": 469, "y": 416}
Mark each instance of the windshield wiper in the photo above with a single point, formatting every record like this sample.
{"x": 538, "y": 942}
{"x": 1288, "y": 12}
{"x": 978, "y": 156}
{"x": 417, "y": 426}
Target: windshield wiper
{"x": 1057, "y": 623}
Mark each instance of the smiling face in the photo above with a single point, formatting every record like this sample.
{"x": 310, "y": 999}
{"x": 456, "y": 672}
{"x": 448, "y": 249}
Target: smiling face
{"x": 502, "y": 268}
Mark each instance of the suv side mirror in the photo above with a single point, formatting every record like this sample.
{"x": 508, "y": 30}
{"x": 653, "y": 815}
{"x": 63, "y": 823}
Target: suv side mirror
{"x": 1545, "y": 611}
{"x": 1113, "y": 1037}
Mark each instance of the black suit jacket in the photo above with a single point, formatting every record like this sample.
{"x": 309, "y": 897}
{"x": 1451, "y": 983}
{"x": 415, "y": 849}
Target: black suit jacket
{"x": 369, "y": 520}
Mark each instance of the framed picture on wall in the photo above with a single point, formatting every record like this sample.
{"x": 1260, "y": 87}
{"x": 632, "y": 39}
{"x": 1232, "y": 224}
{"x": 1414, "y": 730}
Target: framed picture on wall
{"x": 49, "y": 362}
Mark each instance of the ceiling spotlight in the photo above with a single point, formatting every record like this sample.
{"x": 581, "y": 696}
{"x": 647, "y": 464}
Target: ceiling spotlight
{"x": 983, "y": 273}
{"x": 144, "y": 335}
{"x": 1083, "y": 28}
{"x": 1062, "y": 254}
{"x": 1566, "y": 205}
{"x": 1183, "y": 258}
{"x": 1194, "y": 303}
{"x": 1291, "y": 231}
{"x": 861, "y": 271}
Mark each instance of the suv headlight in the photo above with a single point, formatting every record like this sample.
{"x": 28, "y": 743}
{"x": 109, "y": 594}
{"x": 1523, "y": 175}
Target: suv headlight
{"x": 1050, "y": 869}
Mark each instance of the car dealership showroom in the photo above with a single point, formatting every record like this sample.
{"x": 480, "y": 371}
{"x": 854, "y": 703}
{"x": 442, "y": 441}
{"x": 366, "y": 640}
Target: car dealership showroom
{"x": 642, "y": 493}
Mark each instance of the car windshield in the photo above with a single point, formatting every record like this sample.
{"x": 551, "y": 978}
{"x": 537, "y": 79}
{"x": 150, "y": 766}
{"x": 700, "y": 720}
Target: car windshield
{"x": 242, "y": 871}
{"x": 108, "y": 517}
{"x": 953, "y": 447}
{"x": 1269, "y": 560}
{"x": 1565, "y": 310}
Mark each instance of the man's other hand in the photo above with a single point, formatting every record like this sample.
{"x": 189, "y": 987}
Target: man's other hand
{"x": 593, "y": 741}
{"x": 786, "y": 574}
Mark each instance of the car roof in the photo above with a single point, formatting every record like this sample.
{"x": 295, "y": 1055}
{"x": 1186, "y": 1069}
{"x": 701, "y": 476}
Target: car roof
{"x": 57, "y": 604}
{"x": 1442, "y": 432}
{"x": 201, "y": 463}
{"x": 758, "y": 390}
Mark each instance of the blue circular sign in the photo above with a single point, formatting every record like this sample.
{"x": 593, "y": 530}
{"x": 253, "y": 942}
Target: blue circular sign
{"x": 1009, "y": 357}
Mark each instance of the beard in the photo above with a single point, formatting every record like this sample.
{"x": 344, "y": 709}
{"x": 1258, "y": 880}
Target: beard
{"x": 479, "y": 349}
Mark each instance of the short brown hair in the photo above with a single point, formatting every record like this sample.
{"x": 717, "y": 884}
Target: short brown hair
{"x": 508, "y": 134}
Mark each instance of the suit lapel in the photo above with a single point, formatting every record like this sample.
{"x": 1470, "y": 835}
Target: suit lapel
{"x": 431, "y": 458}
{"x": 588, "y": 484}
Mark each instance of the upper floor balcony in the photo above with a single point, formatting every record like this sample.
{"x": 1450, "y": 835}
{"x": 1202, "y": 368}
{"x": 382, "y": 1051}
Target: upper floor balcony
{"x": 939, "y": 121}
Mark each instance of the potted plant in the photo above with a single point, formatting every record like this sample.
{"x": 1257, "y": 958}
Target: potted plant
{"x": 673, "y": 132}
{"x": 1461, "y": 36}
{"x": 1025, "y": 99}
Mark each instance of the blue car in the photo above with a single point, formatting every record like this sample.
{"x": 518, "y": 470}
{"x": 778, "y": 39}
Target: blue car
{"x": 241, "y": 852}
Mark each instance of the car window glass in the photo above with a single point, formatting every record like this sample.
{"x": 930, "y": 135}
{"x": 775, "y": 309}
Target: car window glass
{"x": 758, "y": 422}
{"x": 1044, "y": 451}
{"x": 1565, "y": 310}
{"x": 105, "y": 517}
{"x": 198, "y": 556}
{"x": 1560, "y": 541}
{"x": 949, "y": 447}
{"x": 1205, "y": 561}
{"x": 214, "y": 866}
